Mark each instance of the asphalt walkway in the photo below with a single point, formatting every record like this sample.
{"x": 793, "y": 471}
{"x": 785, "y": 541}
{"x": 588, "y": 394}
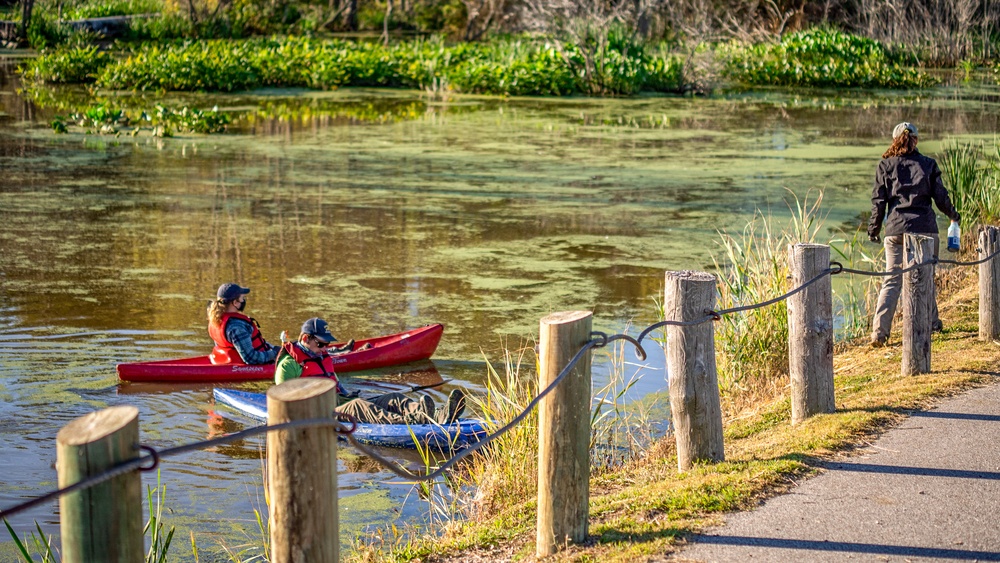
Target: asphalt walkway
{"x": 928, "y": 490}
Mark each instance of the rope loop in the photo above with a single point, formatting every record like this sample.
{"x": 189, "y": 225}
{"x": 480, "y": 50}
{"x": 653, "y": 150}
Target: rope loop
{"x": 836, "y": 268}
{"x": 716, "y": 316}
{"x": 154, "y": 457}
{"x": 603, "y": 339}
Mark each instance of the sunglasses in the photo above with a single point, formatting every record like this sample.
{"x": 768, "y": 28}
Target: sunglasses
{"x": 321, "y": 344}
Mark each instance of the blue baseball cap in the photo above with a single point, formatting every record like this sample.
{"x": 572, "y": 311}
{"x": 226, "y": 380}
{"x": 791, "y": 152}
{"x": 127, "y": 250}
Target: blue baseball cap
{"x": 231, "y": 291}
{"x": 318, "y": 328}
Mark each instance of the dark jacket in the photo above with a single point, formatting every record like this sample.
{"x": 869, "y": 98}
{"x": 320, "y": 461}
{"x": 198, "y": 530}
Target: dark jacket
{"x": 904, "y": 188}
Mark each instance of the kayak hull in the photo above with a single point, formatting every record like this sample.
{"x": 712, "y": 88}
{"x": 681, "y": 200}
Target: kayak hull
{"x": 395, "y": 349}
{"x": 460, "y": 434}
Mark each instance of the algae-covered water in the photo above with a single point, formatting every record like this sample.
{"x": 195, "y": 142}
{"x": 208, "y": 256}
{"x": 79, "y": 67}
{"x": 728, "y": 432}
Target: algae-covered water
{"x": 381, "y": 211}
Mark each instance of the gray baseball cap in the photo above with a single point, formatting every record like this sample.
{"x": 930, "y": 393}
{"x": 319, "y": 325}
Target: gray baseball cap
{"x": 904, "y": 126}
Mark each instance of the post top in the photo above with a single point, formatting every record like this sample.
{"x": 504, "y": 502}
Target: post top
{"x": 93, "y": 426}
{"x": 692, "y": 275}
{"x": 564, "y": 317}
{"x": 301, "y": 388}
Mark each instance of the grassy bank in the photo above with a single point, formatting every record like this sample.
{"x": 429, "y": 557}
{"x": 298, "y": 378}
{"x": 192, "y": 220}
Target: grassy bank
{"x": 645, "y": 507}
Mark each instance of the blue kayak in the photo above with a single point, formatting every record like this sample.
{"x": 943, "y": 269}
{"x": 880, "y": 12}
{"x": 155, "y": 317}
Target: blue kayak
{"x": 457, "y": 435}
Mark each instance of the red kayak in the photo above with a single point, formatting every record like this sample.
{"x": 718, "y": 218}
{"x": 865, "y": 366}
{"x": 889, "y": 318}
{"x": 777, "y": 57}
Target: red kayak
{"x": 394, "y": 349}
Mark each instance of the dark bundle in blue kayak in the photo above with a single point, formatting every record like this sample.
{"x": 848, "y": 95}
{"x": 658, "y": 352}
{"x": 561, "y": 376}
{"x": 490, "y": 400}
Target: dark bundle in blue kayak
{"x": 457, "y": 435}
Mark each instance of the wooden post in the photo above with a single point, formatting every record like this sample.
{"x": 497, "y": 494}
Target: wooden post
{"x": 104, "y": 522}
{"x": 989, "y": 284}
{"x": 694, "y": 385}
{"x": 302, "y": 473}
{"x": 563, "y": 433}
{"x": 918, "y": 295}
{"x": 810, "y": 332}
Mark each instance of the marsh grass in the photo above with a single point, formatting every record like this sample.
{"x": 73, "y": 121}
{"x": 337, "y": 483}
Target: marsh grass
{"x": 159, "y": 542}
{"x": 622, "y": 431}
{"x": 972, "y": 175}
{"x": 257, "y": 548}
{"x": 752, "y": 346}
{"x": 40, "y": 543}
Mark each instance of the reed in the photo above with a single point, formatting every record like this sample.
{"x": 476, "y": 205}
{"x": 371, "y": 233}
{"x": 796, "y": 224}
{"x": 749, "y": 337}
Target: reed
{"x": 972, "y": 175}
{"x": 752, "y": 346}
{"x": 622, "y": 430}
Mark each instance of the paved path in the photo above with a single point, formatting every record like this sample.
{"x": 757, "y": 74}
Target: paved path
{"x": 929, "y": 490}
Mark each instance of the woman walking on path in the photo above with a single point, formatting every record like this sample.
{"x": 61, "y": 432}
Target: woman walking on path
{"x": 906, "y": 182}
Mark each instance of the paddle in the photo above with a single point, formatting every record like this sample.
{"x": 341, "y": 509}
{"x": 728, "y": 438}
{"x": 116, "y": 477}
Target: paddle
{"x": 410, "y": 390}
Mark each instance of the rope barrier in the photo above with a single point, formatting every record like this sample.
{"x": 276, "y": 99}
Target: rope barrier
{"x": 153, "y": 458}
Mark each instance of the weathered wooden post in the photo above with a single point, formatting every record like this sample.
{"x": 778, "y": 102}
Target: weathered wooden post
{"x": 989, "y": 284}
{"x": 694, "y": 386}
{"x": 563, "y": 433}
{"x": 103, "y": 522}
{"x": 918, "y": 296}
{"x": 810, "y": 332}
{"x": 302, "y": 473}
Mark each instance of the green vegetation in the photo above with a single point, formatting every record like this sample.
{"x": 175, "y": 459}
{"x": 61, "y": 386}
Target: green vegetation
{"x": 824, "y": 57}
{"x": 41, "y": 543}
{"x": 972, "y": 175}
{"x": 752, "y": 346}
{"x": 72, "y": 64}
{"x": 507, "y": 67}
{"x": 162, "y": 122}
{"x": 108, "y": 8}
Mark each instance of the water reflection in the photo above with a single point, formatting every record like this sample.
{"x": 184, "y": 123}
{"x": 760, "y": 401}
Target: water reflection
{"x": 483, "y": 214}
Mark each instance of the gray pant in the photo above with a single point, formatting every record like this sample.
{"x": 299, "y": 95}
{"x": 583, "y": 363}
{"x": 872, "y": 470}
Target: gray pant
{"x": 892, "y": 286}
{"x": 391, "y": 408}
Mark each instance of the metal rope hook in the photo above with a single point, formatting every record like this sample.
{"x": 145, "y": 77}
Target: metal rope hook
{"x": 639, "y": 350}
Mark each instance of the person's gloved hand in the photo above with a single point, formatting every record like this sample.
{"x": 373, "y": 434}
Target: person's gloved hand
{"x": 874, "y": 238}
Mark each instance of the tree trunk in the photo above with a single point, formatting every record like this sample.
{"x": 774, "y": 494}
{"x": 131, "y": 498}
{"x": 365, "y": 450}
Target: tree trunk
{"x": 26, "y": 7}
{"x": 350, "y": 21}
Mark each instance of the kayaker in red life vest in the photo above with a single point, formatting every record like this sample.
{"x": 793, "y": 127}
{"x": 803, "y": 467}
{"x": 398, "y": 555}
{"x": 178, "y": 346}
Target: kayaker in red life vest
{"x": 237, "y": 337}
{"x": 309, "y": 357}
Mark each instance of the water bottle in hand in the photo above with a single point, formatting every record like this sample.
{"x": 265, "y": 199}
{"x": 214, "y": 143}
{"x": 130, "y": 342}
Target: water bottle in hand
{"x": 954, "y": 237}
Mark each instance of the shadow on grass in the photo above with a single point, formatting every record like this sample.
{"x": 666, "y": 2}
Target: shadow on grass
{"x": 612, "y": 535}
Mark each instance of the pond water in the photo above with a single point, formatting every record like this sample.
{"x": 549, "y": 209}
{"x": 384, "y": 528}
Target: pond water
{"x": 381, "y": 211}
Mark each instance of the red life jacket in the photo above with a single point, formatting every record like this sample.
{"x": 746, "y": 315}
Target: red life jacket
{"x": 312, "y": 366}
{"x": 224, "y": 351}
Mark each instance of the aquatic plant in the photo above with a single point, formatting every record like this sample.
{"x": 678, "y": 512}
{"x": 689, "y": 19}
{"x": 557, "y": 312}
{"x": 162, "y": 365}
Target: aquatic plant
{"x": 106, "y": 118}
{"x": 823, "y": 57}
{"x": 107, "y": 8}
{"x": 159, "y": 544}
{"x": 972, "y": 176}
{"x": 41, "y": 543}
{"x": 71, "y": 64}
{"x": 503, "y": 67}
